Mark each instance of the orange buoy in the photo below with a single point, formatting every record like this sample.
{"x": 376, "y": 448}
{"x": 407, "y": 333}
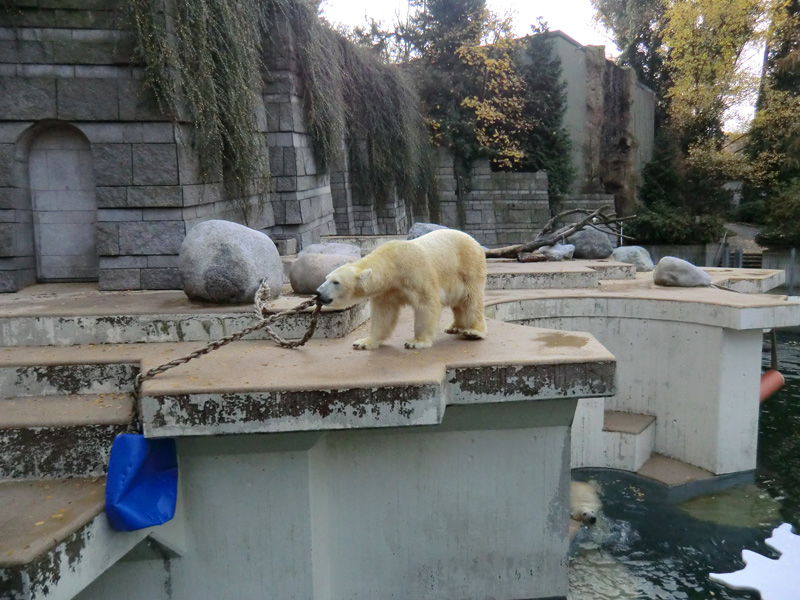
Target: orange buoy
{"x": 771, "y": 382}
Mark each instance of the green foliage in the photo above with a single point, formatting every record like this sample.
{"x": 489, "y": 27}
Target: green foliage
{"x": 753, "y": 212}
{"x": 637, "y": 26}
{"x": 662, "y": 182}
{"x": 783, "y": 51}
{"x": 783, "y": 222}
{"x": 489, "y": 95}
{"x": 202, "y": 72}
{"x": 684, "y": 196}
{"x": 664, "y": 225}
{"x": 206, "y": 71}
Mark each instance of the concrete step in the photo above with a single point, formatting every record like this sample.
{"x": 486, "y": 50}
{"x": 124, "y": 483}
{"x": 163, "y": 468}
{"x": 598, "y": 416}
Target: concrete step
{"x": 629, "y": 439}
{"x": 66, "y": 379}
{"x": 52, "y": 437}
{"x": 682, "y": 480}
{"x": 610, "y": 439}
{"x": 38, "y": 317}
{"x": 55, "y": 538}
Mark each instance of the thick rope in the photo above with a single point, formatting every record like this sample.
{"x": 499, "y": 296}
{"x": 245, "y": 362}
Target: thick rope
{"x": 261, "y": 300}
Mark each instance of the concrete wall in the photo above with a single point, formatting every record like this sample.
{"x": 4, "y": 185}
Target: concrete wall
{"x": 473, "y": 508}
{"x": 681, "y": 362}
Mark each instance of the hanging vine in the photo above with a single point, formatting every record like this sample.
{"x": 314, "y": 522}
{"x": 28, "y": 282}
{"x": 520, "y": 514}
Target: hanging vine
{"x": 202, "y": 61}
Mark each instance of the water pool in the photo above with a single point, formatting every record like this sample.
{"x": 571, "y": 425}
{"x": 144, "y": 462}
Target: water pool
{"x": 649, "y": 548}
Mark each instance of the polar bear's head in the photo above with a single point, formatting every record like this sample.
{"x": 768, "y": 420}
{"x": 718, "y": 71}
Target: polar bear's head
{"x": 584, "y": 500}
{"x": 344, "y": 286}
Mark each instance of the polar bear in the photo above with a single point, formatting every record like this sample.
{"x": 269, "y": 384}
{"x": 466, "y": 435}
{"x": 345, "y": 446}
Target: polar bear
{"x": 584, "y": 501}
{"x": 446, "y": 267}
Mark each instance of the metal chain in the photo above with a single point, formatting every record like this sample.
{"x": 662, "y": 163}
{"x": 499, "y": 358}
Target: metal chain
{"x": 261, "y": 300}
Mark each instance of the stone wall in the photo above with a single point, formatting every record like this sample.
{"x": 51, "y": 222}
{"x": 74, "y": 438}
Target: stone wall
{"x": 360, "y": 212}
{"x": 67, "y": 68}
{"x": 302, "y": 203}
{"x": 500, "y": 208}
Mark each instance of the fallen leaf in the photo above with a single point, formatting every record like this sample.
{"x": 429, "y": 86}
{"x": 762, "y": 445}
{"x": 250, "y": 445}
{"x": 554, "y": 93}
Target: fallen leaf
{"x": 39, "y": 523}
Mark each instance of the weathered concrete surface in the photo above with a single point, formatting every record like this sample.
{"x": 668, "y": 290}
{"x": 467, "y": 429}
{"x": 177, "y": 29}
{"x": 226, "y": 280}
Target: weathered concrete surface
{"x": 508, "y": 274}
{"x": 53, "y": 437}
{"x": 747, "y": 281}
{"x": 75, "y": 314}
{"x": 367, "y": 243}
{"x": 73, "y": 376}
{"x": 691, "y": 357}
{"x": 55, "y": 539}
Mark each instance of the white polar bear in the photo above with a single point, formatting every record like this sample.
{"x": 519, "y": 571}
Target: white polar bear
{"x": 584, "y": 501}
{"x": 442, "y": 268}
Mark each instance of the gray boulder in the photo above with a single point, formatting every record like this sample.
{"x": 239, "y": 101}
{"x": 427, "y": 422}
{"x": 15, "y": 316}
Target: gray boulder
{"x": 676, "y": 272}
{"x": 332, "y": 248}
{"x": 634, "y": 255}
{"x": 308, "y": 272}
{"x": 224, "y": 263}
{"x": 419, "y": 229}
{"x": 557, "y": 252}
{"x": 590, "y": 243}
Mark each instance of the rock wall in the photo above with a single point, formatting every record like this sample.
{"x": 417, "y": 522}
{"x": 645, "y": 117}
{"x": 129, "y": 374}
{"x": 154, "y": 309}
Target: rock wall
{"x": 610, "y": 119}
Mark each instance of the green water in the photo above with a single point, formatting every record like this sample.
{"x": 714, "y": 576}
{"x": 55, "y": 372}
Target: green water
{"x": 648, "y": 548}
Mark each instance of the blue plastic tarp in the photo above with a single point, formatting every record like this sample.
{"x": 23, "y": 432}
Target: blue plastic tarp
{"x": 142, "y": 482}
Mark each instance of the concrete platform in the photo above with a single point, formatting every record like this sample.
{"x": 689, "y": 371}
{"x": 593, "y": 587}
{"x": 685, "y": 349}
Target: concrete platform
{"x": 75, "y": 314}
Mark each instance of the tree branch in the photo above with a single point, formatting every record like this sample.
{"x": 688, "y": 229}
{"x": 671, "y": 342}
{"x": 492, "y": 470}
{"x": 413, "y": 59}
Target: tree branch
{"x": 548, "y": 237}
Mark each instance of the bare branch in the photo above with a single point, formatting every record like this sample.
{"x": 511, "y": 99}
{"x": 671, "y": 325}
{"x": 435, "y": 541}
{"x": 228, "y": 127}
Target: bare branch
{"x": 547, "y": 237}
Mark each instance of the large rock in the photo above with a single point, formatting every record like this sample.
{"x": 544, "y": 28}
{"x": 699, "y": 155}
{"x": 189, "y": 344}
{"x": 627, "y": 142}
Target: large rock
{"x": 557, "y": 252}
{"x": 590, "y": 243}
{"x": 224, "y": 263}
{"x": 676, "y": 272}
{"x": 332, "y": 248}
{"x": 634, "y": 255}
{"x": 420, "y": 229}
{"x": 308, "y": 272}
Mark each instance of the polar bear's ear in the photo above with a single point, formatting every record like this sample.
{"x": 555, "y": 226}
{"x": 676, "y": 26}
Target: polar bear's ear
{"x": 364, "y": 276}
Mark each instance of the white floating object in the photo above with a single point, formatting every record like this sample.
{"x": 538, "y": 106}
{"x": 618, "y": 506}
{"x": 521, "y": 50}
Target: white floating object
{"x": 774, "y": 579}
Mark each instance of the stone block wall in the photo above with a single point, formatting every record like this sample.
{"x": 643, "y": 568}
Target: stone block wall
{"x": 68, "y": 64}
{"x": 302, "y": 202}
{"x": 500, "y": 208}
{"x": 358, "y": 212}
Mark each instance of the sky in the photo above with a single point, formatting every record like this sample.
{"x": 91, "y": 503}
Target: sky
{"x": 573, "y": 17}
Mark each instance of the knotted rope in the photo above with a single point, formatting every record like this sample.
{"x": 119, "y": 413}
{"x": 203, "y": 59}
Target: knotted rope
{"x": 261, "y": 300}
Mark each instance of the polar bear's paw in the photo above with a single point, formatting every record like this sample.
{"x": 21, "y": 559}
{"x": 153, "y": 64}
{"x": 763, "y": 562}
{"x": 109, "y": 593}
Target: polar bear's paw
{"x": 365, "y": 344}
{"x": 453, "y": 330}
{"x": 417, "y": 345}
{"x": 472, "y": 334}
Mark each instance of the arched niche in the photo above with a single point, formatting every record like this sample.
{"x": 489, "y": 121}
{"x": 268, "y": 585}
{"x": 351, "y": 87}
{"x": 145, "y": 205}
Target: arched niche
{"x": 63, "y": 204}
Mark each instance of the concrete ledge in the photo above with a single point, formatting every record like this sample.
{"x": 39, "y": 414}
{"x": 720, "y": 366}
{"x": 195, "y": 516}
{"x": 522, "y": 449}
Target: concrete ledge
{"x": 682, "y": 481}
{"x": 83, "y": 315}
{"x": 642, "y": 299}
{"x": 69, "y": 548}
{"x": 508, "y": 274}
{"x": 329, "y": 385}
